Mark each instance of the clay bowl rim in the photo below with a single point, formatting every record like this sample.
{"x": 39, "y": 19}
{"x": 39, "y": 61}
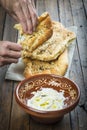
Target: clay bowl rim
{"x": 33, "y": 111}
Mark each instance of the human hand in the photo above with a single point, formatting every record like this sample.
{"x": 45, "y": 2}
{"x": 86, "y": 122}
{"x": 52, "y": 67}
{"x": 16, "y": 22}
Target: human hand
{"x": 22, "y": 11}
{"x": 9, "y": 52}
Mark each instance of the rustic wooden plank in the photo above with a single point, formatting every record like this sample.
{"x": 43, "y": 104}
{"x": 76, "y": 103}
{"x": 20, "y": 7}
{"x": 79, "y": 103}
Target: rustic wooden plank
{"x": 77, "y": 118}
{"x": 64, "y": 124}
{"x": 79, "y": 15}
{"x": 81, "y": 22}
{"x": 74, "y": 120}
{"x": 63, "y": 15}
{"x": 79, "y": 67}
{"x": 10, "y": 33}
{"x": 56, "y": 126}
{"x": 77, "y": 76}
{"x": 52, "y": 8}
{"x": 85, "y": 6}
{"x": 39, "y": 126}
{"x": 5, "y": 104}
{"x": 2, "y": 21}
{"x": 66, "y": 18}
{"x": 65, "y": 12}
{"x": 82, "y": 118}
{"x": 43, "y": 5}
{"x": 40, "y": 6}
{"x": 19, "y": 119}
{"x": 2, "y": 74}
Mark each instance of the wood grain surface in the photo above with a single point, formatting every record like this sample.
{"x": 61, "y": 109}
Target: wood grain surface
{"x": 69, "y": 13}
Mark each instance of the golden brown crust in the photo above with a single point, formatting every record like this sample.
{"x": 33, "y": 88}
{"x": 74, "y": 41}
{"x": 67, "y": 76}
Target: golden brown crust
{"x": 42, "y": 55}
{"x": 53, "y": 47}
{"x": 43, "y": 33}
{"x": 58, "y": 66}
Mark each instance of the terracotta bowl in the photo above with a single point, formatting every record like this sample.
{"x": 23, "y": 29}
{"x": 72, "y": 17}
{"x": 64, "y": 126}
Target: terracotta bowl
{"x": 24, "y": 89}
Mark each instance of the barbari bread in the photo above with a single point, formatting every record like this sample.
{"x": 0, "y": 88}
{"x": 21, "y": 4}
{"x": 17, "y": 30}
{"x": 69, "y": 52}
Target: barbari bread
{"x": 42, "y": 33}
{"x": 58, "y": 66}
{"x": 45, "y": 51}
{"x": 53, "y": 47}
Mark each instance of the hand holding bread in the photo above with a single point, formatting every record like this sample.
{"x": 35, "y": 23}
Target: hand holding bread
{"x": 46, "y": 50}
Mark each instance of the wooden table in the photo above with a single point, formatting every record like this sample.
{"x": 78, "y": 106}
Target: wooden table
{"x": 68, "y": 12}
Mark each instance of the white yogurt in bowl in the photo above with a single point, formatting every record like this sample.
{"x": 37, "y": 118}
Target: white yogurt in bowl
{"x": 47, "y": 99}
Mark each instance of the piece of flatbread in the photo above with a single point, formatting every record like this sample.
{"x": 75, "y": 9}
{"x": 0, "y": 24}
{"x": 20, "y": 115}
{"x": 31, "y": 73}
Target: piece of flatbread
{"x": 53, "y": 47}
{"x": 58, "y": 66}
{"x": 42, "y": 33}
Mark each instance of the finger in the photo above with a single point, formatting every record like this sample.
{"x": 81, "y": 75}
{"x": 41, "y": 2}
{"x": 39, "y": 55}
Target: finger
{"x": 15, "y": 17}
{"x": 14, "y": 46}
{"x": 21, "y": 17}
{"x": 33, "y": 3}
{"x": 33, "y": 15}
{"x": 13, "y": 54}
{"x": 9, "y": 49}
{"x": 6, "y": 60}
{"x": 24, "y": 6}
{"x": 10, "y": 53}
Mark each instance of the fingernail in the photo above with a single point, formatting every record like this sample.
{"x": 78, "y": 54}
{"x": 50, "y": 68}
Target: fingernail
{"x": 34, "y": 29}
{"x": 30, "y": 32}
{"x": 20, "y": 46}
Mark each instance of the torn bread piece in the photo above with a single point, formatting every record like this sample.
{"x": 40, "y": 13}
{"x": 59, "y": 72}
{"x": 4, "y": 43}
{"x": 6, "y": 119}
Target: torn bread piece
{"x": 58, "y": 66}
{"x": 42, "y": 33}
{"x": 53, "y": 47}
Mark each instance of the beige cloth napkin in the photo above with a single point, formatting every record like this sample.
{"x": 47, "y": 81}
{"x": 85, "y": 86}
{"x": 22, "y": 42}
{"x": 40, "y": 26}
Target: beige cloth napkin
{"x": 15, "y": 71}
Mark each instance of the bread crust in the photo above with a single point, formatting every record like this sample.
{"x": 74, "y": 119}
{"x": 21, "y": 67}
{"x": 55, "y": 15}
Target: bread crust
{"x": 54, "y": 46}
{"x": 58, "y": 66}
{"x": 44, "y": 53}
{"x": 42, "y": 33}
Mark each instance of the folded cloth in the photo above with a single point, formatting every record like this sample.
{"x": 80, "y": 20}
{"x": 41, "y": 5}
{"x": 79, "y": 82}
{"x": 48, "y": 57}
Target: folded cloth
{"x": 15, "y": 71}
